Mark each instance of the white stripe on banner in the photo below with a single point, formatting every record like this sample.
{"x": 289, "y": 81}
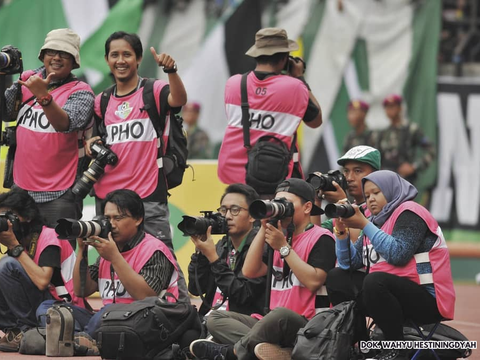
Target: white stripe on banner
{"x": 330, "y": 144}
{"x": 293, "y": 16}
{"x": 184, "y": 34}
{"x": 85, "y": 16}
{"x": 205, "y": 83}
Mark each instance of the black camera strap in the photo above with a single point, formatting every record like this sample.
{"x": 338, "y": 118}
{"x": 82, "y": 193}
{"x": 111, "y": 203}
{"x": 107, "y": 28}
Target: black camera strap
{"x": 246, "y": 118}
{"x": 200, "y": 293}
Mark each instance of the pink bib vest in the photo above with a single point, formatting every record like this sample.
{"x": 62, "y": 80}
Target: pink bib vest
{"x": 277, "y": 106}
{"x": 45, "y": 160}
{"x": 132, "y": 136}
{"x": 136, "y": 258}
{"x": 438, "y": 257}
{"x": 289, "y": 292}
{"x": 48, "y": 237}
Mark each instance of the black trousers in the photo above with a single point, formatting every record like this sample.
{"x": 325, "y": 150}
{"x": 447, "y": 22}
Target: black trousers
{"x": 388, "y": 299}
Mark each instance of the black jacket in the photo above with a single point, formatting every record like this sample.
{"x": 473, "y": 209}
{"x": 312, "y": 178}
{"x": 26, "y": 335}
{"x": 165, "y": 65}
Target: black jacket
{"x": 245, "y": 295}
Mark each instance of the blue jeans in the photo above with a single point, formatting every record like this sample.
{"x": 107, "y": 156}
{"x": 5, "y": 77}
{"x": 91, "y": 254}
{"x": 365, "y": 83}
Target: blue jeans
{"x": 84, "y": 319}
{"x": 19, "y": 296}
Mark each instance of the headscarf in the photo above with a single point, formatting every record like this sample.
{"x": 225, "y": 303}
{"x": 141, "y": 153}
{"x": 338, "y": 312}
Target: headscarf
{"x": 395, "y": 189}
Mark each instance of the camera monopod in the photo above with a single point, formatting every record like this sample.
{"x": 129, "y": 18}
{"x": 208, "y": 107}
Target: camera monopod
{"x": 286, "y": 268}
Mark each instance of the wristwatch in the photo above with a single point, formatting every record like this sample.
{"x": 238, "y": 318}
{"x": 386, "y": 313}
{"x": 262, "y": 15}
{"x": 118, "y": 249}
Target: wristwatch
{"x": 45, "y": 100}
{"x": 171, "y": 70}
{"x": 285, "y": 251}
{"x": 16, "y": 251}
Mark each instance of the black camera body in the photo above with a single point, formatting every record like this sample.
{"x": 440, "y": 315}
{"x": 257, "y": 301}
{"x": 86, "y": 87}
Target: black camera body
{"x": 271, "y": 209}
{"x": 9, "y": 136}
{"x": 324, "y": 181}
{"x": 341, "y": 210}
{"x": 69, "y": 229}
{"x": 103, "y": 157}
{"x": 9, "y": 215}
{"x": 191, "y": 225}
{"x": 10, "y": 60}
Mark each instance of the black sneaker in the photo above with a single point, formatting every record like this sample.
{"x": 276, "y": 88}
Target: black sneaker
{"x": 207, "y": 349}
{"x": 391, "y": 355}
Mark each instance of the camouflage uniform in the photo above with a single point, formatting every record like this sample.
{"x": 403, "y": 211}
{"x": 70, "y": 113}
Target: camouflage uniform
{"x": 368, "y": 137}
{"x": 198, "y": 144}
{"x": 401, "y": 144}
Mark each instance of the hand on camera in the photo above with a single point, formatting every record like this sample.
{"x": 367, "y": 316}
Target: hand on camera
{"x": 106, "y": 248}
{"x": 334, "y": 196}
{"x": 274, "y": 235}
{"x": 88, "y": 144}
{"x": 296, "y": 66}
{"x": 204, "y": 243}
{"x": 8, "y": 238}
{"x": 358, "y": 220}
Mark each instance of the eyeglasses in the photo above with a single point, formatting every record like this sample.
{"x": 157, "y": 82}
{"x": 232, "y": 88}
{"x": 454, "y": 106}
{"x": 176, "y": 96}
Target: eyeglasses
{"x": 117, "y": 218}
{"x": 63, "y": 54}
{"x": 234, "y": 210}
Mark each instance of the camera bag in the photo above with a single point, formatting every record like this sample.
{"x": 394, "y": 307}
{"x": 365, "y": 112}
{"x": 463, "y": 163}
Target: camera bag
{"x": 173, "y": 161}
{"x": 60, "y": 329}
{"x": 268, "y": 159}
{"x": 146, "y": 328}
{"x": 330, "y": 334}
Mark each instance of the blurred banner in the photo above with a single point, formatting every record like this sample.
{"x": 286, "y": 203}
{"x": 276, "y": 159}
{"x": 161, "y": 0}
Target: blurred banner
{"x": 363, "y": 49}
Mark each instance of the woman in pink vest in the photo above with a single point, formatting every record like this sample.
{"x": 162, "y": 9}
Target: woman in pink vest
{"x": 408, "y": 272}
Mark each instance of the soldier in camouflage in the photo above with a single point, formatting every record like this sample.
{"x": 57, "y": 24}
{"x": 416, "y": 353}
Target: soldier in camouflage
{"x": 404, "y": 147}
{"x": 361, "y": 134}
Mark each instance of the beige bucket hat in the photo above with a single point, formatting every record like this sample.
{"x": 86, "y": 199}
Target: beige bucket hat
{"x": 63, "y": 40}
{"x": 269, "y": 41}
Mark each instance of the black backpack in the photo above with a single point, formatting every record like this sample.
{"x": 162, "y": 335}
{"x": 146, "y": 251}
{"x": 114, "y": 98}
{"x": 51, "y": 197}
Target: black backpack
{"x": 174, "y": 160}
{"x": 146, "y": 328}
{"x": 330, "y": 334}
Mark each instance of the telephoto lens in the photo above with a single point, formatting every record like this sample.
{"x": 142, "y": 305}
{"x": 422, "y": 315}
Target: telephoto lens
{"x": 191, "y": 225}
{"x": 277, "y": 208}
{"x": 339, "y": 210}
{"x": 72, "y": 229}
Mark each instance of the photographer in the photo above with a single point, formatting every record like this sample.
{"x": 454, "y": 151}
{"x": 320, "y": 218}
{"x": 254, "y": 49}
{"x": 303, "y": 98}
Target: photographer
{"x": 301, "y": 261}
{"x": 218, "y": 268}
{"x": 357, "y": 163}
{"x": 277, "y": 105}
{"x": 137, "y": 166}
{"x": 132, "y": 264}
{"x": 408, "y": 273}
{"x": 56, "y": 108}
{"x": 36, "y": 268}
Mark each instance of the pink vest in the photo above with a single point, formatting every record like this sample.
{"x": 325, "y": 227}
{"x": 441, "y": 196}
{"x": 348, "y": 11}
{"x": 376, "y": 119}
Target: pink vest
{"x": 289, "y": 292}
{"x": 45, "y": 160}
{"x": 438, "y": 257}
{"x": 131, "y": 135}
{"x": 136, "y": 258}
{"x": 277, "y": 106}
{"x": 48, "y": 237}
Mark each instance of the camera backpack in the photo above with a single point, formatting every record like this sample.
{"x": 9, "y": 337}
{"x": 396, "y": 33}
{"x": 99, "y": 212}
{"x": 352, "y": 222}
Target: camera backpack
{"x": 147, "y": 329}
{"x": 60, "y": 329}
{"x": 268, "y": 158}
{"x": 330, "y": 334}
{"x": 174, "y": 161}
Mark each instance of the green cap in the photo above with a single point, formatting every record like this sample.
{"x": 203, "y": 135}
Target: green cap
{"x": 362, "y": 153}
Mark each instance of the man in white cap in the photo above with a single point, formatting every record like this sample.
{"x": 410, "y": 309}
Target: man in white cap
{"x": 55, "y": 110}
{"x": 277, "y": 105}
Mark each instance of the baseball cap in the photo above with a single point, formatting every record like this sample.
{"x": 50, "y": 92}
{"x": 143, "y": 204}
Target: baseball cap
{"x": 63, "y": 40}
{"x": 358, "y": 104}
{"x": 269, "y": 41}
{"x": 302, "y": 189}
{"x": 362, "y": 153}
{"x": 392, "y": 99}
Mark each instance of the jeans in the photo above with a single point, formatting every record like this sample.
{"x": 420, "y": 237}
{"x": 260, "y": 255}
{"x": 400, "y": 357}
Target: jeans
{"x": 19, "y": 296}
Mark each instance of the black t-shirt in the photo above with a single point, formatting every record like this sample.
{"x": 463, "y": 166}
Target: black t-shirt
{"x": 50, "y": 257}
